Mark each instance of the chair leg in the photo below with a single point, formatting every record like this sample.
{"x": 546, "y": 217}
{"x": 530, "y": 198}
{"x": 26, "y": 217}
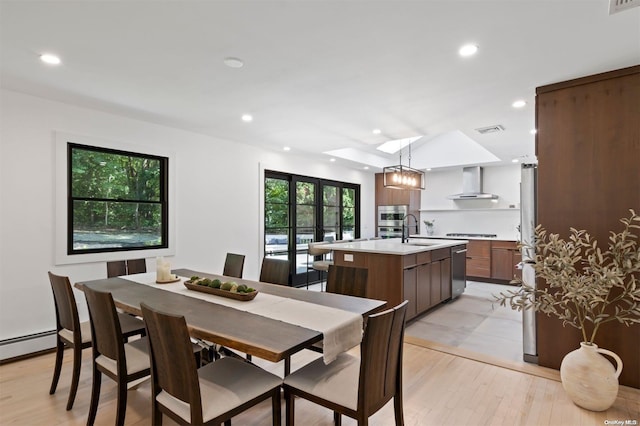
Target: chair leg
{"x": 95, "y": 395}
{"x": 122, "y": 401}
{"x": 58, "y": 366}
{"x": 398, "y": 411}
{"x": 276, "y": 408}
{"x": 249, "y": 357}
{"x": 337, "y": 418}
{"x": 287, "y": 366}
{"x": 75, "y": 376}
{"x": 289, "y": 407}
{"x": 156, "y": 414}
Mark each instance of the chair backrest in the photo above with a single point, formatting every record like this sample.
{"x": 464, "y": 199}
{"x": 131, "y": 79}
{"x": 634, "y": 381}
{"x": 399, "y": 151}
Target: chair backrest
{"x": 233, "y": 265}
{"x": 319, "y": 248}
{"x": 105, "y": 327}
{"x": 381, "y": 355}
{"x": 136, "y": 266}
{"x": 116, "y": 268}
{"x": 65, "y": 302}
{"x": 173, "y": 366}
{"x": 275, "y": 271}
{"x": 347, "y": 280}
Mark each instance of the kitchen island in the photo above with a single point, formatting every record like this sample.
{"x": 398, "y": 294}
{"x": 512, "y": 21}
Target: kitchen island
{"x": 419, "y": 271}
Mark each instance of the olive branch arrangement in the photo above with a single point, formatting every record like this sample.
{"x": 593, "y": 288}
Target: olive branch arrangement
{"x": 586, "y": 286}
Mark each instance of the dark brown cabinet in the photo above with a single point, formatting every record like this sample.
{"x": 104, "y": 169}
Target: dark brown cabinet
{"x": 409, "y": 288}
{"x": 588, "y": 145}
{"x": 426, "y": 280}
{"x": 396, "y": 197}
{"x": 479, "y": 258}
{"x": 423, "y": 287}
{"x": 505, "y": 257}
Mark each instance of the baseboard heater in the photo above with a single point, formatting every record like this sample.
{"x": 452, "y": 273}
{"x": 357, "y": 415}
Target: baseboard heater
{"x": 24, "y": 345}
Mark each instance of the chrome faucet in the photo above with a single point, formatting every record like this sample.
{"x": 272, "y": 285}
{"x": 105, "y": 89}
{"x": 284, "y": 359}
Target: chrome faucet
{"x": 406, "y": 239}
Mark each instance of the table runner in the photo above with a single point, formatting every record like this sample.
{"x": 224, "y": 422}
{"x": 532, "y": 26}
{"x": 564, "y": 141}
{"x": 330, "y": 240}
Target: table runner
{"x": 342, "y": 330}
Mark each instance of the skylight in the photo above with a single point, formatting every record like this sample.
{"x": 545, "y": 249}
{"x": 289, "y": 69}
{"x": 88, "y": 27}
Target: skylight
{"x": 391, "y": 147}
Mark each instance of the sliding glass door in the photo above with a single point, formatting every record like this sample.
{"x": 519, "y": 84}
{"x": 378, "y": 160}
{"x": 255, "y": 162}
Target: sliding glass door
{"x": 302, "y": 209}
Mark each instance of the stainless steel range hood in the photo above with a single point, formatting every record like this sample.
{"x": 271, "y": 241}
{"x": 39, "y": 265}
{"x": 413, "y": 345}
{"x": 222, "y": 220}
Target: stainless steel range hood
{"x": 472, "y": 186}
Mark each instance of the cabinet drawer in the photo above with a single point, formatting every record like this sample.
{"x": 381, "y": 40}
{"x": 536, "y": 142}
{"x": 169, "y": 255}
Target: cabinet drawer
{"x": 424, "y": 257}
{"x": 440, "y": 254}
{"x": 511, "y": 245}
{"x": 409, "y": 260}
{"x": 479, "y": 248}
{"x": 479, "y": 268}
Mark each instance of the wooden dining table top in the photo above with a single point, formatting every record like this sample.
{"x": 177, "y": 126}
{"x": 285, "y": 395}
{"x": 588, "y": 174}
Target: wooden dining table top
{"x": 253, "y": 334}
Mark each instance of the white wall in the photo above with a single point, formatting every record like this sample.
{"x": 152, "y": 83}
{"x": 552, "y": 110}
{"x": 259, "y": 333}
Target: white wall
{"x": 212, "y": 217}
{"x": 473, "y": 216}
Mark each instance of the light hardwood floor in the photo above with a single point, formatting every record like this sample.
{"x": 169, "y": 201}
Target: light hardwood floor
{"x": 443, "y": 385}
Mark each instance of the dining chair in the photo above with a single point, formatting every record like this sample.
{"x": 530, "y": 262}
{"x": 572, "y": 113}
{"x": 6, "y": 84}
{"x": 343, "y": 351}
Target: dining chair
{"x": 233, "y": 265}
{"x": 347, "y": 280}
{"x": 212, "y": 394}
{"x": 275, "y": 271}
{"x": 121, "y": 362}
{"x": 116, "y": 268}
{"x": 356, "y": 387}
{"x": 75, "y": 334}
{"x": 136, "y": 266}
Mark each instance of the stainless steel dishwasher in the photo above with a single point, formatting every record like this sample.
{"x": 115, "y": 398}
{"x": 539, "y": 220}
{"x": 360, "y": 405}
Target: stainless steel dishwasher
{"x": 458, "y": 270}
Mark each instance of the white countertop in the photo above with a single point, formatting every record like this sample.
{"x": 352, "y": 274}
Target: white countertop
{"x": 443, "y": 237}
{"x": 395, "y": 246}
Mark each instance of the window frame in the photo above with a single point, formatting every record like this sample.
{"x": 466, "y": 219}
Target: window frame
{"x": 163, "y": 199}
{"x": 60, "y": 217}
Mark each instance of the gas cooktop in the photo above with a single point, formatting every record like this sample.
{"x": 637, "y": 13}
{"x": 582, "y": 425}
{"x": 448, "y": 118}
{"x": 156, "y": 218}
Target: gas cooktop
{"x": 453, "y": 234}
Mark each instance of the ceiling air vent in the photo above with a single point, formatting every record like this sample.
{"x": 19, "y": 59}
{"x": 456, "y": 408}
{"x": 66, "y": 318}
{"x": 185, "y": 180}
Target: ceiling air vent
{"x": 490, "y": 129}
{"x": 616, "y": 6}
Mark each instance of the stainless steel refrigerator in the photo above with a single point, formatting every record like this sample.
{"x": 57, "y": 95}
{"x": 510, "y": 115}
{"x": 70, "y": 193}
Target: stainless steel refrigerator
{"x": 528, "y": 210}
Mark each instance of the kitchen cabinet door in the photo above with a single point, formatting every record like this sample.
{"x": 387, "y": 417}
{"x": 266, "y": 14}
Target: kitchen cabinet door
{"x": 445, "y": 279}
{"x": 436, "y": 276}
{"x": 423, "y": 289}
{"x": 409, "y": 289}
{"x": 479, "y": 258}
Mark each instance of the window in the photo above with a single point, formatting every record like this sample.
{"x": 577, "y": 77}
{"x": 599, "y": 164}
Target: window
{"x": 117, "y": 200}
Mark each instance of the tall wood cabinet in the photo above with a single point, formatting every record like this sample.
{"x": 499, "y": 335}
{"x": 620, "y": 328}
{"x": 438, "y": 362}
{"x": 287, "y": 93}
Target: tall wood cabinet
{"x": 588, "y": 149}
{"x": 397, "y": 197}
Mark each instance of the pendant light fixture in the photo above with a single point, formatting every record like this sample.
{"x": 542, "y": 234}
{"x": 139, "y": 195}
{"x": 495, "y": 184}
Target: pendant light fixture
{"x": 403, "y": 177}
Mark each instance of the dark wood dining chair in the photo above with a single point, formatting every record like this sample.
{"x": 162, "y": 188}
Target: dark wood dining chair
{"x": 75, "y": 334}
{"x": 376, "y": 375}
{"x": 347, "y": 280}
{"x": 275, "y": 271}
{"x": 212, "y": 394}
{"x": 116, "y": 268}
{"x": 136, "y": 266}
{"x": 233, "y": 265}
{"x": 121, "y": 362}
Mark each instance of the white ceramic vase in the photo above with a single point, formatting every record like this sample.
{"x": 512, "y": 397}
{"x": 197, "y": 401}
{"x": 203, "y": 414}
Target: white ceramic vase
{"x": 589, "y": 378}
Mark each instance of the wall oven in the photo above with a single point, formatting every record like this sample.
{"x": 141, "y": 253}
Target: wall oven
{"x": 390, "y": 220}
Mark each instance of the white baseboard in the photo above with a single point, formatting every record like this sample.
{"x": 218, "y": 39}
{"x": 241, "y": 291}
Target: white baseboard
{"x": 12, "y": 348}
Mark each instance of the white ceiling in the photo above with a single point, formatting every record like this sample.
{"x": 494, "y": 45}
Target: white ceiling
{"x": 319, "y": 76}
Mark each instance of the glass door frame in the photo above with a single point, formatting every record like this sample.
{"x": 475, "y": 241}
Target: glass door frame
{"x": 305, "y": 275}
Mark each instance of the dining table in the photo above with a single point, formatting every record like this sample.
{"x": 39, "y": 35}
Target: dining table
{"x": 279, "y": 322}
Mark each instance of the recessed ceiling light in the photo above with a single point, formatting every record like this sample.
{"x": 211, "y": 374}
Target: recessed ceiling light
{"x": 247, "y": 118}
{"x": 428, "y": 170}
{"x": 366, "y": 167}
{"x": 50, "y": 59}
{"x": 519, "y": 103}
{"x": 533, "y": 131}
{"x": 287, "y": 148}
{"x": 233, "y": 62}
{"x": 376, "y": 131}
{"x": 515, "y": 160}
{"x": 332, "y": 160}
{"x": 468, "y": 50}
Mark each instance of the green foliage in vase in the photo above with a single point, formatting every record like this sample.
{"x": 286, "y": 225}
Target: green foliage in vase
{"x": 586, "y": 287}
